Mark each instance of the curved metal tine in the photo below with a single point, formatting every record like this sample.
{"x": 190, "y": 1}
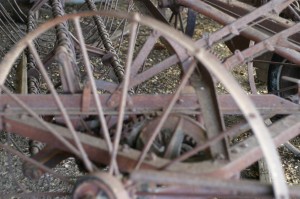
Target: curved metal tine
{"x": 107, "y": 19}
{"x": 7, "y": 30}
{"x": 113, "y": 36}
{"x": 93, "y": 84}
{"x": 16, "y": 12}
{"x": 122, "y": 106}
{"x": 87, "y": 162}
{"x": 113, "y": 19}
{"x": 129, "y": 7}
{"x": 12, "y": 22}
{"x": 166, "y": 114}
{"x": 7, "y": 34}
{"x": 20, "y": 10}
{"x": 105, "y": 8}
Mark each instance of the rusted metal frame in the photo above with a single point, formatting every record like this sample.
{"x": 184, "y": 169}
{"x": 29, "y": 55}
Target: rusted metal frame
{"x": 204, "y": 86}
{"x": 232, "y": 131}
{"x": 282, "y": 131}
{"x": 237, "y": 9}
{"x": 123, "y": 103}
{"x": 266, "y": 104}
{"x": 246, "y": 106}
{"x": 191, "y": 185}
{"x": 63, "y": 111}
{"x": 65, "y": 52}
{"x": 118, "y": 68}
{"x": 153, "y": 10}
{"x": 290, "y": 54}
{"x": 235, "y": 26}
{"x": 261, "y": 47}
{"x": 94, "y": 90}
{"x": 247, "y": 152}
{"x": 244, "y": 103}
{"x": 96, "y": 147}
{"x": 43, "y": 123}
{"x": 225, "y": 19}
{"x": 166, "y": 112}
{"x": 252, "y": 116}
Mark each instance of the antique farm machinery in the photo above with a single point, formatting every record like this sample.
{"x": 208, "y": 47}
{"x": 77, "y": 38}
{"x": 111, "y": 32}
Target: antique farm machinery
{"x": 134, "y": 99}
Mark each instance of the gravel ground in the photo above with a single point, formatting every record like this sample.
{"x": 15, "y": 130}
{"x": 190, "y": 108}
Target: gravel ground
{"x": 11, "y": 166}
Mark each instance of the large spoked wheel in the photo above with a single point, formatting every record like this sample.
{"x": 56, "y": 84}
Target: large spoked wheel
{"x": 285, "y": 88}
{"x": 121, "y": 125}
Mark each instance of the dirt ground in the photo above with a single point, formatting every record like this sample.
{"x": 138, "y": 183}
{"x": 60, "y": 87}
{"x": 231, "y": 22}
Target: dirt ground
{"x": 11, "y": 167}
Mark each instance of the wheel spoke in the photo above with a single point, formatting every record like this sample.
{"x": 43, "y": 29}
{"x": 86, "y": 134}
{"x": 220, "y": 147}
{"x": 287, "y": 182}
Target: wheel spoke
{"x": 125, "y": 90}
{"x": 65, "y": 115}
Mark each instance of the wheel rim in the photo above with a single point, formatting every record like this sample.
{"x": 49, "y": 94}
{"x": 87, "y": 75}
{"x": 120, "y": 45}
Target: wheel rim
{"x": 250, "y": 113}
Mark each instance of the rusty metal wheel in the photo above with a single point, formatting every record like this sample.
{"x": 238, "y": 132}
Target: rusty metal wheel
{"x": 98, "y": 108}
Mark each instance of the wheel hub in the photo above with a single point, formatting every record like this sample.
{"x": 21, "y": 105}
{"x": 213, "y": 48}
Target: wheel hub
{"x": 100, "y": 185}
